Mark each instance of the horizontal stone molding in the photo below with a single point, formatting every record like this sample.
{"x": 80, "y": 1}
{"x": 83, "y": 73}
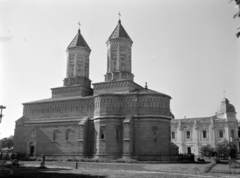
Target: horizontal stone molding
{"x": 111, "y": 85}
{"x": 51, "y": 121}
{"x": 130, "y": 101}
{"x": 142, "y": 117}
{"x": 81, "y": 105}
{"x": 122, "y": 41}
{"x": 67, "y": 89}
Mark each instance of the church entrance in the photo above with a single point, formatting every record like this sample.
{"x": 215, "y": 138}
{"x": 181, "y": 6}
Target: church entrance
{"x": 189, "y": 150}
{"x": 31, "y": 149}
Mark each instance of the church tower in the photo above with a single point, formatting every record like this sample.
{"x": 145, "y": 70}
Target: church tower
{"x": 119, "y": 60}
{"x": 78, "y": 62}
{"x": 77, "y": 82}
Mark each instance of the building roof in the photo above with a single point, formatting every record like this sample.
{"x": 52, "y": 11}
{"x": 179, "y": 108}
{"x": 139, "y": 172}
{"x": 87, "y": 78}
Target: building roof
{"x": 147, "y": 91}
{"x": 188, "y": 120}
{"x": 119, "y": 32}
{"x": 225, "y": 107}
{"x": 78, "y": 41}
{"x": 58, "y": 99}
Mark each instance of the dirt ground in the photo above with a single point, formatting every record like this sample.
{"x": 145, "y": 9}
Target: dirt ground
{"x": 111, "y": 170}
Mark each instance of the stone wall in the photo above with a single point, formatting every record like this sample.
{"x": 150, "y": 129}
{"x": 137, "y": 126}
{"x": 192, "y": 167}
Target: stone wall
{"x": 108, "y": 125}
{"x": 54, "y": 108}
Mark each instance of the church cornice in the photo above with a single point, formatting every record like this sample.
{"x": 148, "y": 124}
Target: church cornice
{"x": 134, "y": 116}
{"x": 50, "y": 100}
{"x": 80, "y": 106}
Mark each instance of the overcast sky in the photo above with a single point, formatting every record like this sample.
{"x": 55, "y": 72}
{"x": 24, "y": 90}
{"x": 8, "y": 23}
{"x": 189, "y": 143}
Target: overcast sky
{"x": 184, "y": 48}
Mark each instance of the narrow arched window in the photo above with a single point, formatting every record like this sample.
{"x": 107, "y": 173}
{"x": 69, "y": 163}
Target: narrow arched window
{"x": 54, "y": 136}
{"x": 204, "y": 132}
{"x": 155, "y": 133}
{"x": 102, "y": 132}
{"x": 67, "y": 135}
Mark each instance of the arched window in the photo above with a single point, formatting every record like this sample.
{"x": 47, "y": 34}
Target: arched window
{"x": 67, "y": 134}
{"x": 204, "y": 132}
{"x": 173, "y": 135}
{"x": 54, "y": 135}
{"x": 155, "y": 132}
{"x": 117, "y": 133}
{"x": 102, "y": 132}
{"x": 71, "y": 69}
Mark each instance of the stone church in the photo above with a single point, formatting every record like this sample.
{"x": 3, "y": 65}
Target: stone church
{"x": 114, "y": 119}
{"x": 190, "y": 134}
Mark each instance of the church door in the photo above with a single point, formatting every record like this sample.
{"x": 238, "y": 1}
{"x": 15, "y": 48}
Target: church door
{"x": 32, "y": 149}
{"x": 189, "y": 150}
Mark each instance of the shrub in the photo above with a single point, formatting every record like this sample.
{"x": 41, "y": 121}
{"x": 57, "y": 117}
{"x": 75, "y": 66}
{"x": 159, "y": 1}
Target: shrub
{"x": 26, "y": 158}
{"x": 207, "y": 150}
{"x": 226, "y": 149}
{"x": 126, "y": 160}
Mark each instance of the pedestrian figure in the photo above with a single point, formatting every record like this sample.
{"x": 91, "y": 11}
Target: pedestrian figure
{"x": 43, "y": 160}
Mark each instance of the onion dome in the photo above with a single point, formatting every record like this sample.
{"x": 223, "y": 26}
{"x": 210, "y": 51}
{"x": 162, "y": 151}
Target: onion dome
{"x": 225, "y": 107}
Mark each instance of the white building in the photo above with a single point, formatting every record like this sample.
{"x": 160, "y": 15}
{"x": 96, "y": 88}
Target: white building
{"x": 190, "y": 134}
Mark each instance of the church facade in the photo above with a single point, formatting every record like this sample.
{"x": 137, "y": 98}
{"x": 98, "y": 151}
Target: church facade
{"x": 190, "y": 134}
{"x": 114, "y": 119}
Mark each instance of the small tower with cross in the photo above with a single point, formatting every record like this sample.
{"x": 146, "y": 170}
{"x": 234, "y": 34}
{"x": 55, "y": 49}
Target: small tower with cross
{"x": 119, "y": 55}
{"x": 78, "y": 53}
{"x": 77, "y": 82}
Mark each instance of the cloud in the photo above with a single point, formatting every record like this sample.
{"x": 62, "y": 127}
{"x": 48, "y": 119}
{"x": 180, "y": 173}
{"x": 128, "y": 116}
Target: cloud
{"x": 5, "y": 39}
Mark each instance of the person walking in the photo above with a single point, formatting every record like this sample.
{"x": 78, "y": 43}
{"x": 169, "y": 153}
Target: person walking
{"x": 43, "y": 160}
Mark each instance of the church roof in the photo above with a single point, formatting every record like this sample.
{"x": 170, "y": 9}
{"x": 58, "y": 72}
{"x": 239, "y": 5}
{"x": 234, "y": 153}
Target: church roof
{"x": 147, "y": 91}
{"x": 58, "y": 99}
{"x": 78, "y": 40}
{"x": 119, "y": 32}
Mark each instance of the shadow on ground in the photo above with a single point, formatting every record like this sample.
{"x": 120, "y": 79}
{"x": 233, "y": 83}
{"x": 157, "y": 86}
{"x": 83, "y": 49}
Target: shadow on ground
{"x": 206, "y": 162}
{"x": 35, "y": 172}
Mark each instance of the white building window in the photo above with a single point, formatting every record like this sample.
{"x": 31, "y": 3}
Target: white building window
{"x": 204, "y": 134}
{"x": 220, "y": 133}
{"x": 188, "y": 134}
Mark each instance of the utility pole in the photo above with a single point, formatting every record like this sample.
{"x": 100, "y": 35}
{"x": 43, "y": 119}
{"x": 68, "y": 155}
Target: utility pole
{"x": 1, "y": 107}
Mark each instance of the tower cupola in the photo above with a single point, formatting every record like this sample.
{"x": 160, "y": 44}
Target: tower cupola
{"x": 226, "y": 110}
{"x": 119, "y": 60}
{"x": 225, "y": 107}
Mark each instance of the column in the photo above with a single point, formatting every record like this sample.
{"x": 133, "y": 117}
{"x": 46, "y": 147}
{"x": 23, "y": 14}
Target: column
{"x": 127, "y": 136}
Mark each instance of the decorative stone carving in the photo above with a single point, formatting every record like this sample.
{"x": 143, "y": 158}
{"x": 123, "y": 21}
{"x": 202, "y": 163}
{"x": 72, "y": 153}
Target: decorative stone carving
{"x": 33, "y": 133}
{"x": 126, "y": 101}
{"x": 56, "y": 107}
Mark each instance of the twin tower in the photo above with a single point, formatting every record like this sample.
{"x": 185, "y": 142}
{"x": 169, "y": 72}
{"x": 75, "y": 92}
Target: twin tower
{"x": 119, "y": 63}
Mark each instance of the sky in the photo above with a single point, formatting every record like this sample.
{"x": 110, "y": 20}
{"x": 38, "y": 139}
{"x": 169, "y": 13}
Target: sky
{"x": 184, "y": 48}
